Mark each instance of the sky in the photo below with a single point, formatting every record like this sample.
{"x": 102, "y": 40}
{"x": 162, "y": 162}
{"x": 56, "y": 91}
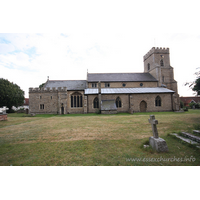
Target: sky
{"x": 73, "y": 37}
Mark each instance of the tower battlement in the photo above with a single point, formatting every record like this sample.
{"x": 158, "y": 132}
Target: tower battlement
{"x": 158, "y": 50}
{"x": 48, "y": 89}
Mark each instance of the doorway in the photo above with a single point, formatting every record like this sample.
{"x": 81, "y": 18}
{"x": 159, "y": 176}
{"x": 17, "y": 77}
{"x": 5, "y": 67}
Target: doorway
{"x": 143, "y": 106}
{"x": 62, "y": 109}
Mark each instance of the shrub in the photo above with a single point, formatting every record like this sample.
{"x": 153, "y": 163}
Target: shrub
{"x": 181, "y": 104}
{"x": 10, "y": 111}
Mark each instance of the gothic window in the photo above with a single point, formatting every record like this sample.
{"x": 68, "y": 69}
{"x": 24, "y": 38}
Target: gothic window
{"x": 163, "y": 79}
{"x": 107, "y": 84}
{"x": 76, "y": 100}
{"x": 118, "y": 102}
{"x": 158, "y": 101}
{"x": 40, "y": 97}
{"x": 41, "y": 106}
{"x": 161, "y": 63}
{"x": 148, "y": 66}
{"x": 96, "y": 102}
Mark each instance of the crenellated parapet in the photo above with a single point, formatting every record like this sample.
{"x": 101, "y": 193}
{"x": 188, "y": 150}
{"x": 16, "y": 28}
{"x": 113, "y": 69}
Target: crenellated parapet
{"x": 48, "y": 89}
{"x": 158, "y": 50}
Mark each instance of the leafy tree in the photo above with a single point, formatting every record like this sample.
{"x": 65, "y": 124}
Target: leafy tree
{"x": 10, "y": 94}
{"x": 40, "y": 86}
{"x": 195, "y": 85}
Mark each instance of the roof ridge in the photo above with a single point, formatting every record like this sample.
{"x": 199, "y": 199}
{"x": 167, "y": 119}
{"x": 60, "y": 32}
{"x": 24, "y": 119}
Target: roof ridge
{"x": 121, "y": 73}
{"x": 67, "y": 80}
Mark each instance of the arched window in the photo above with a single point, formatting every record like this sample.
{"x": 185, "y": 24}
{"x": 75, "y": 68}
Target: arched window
{"x": 161, "y": 63}
{"x": 96, "y": 102}
{"x": 158, "y": 101}
{"x": 118, "y": 102}
{"x": 76, "y": 100}
{"x": 148, "y": 66}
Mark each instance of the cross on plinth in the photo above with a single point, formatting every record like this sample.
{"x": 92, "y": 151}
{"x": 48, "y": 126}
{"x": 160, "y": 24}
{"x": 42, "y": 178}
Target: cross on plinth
{"x": 153, "y": 123}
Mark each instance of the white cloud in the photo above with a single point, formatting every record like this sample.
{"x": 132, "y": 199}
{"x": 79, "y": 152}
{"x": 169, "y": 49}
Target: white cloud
{"x": 5, "y": 48}
{"x": 69, "y": 57}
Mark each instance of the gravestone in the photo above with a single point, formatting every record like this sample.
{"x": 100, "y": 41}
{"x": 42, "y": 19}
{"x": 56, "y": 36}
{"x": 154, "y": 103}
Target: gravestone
{"x": 156, "y": 142}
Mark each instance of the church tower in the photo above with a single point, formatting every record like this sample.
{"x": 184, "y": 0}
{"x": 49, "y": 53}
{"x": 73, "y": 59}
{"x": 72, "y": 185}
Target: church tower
{"x": 157, "y": 63}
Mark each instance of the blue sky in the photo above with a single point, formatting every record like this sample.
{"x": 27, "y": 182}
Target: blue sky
{"x": 98, "y": 37}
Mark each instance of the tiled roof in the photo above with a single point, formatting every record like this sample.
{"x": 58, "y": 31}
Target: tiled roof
{"x": 128, "y": 90}
{"x": 113, "y": 77}
{"x": 26, "y": 101}
{"x": 188, "y": 100}
{"x": 70, "y": 84}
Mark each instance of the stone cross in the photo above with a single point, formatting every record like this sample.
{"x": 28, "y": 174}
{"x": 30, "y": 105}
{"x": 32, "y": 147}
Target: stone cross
{"x": 153, "y": 122}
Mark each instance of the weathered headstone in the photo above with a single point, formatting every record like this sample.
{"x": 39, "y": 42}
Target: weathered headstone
{"x": 156, "y": 142}
{"x": 153, "y": 123}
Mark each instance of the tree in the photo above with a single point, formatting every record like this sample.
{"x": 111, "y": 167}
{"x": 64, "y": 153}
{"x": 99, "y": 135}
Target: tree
{"x": 40, "y": 86}
{"x": 10, "y": 94}
{"x": 195, "y": 86}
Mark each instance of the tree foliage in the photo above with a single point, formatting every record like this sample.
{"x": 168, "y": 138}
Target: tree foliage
{"x": 195, "y": 85}
{"x": 40, "y": 86}
{"x": 10, "y": 94}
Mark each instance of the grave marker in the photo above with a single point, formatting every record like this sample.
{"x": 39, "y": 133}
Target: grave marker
{"x": 156, "y": 142}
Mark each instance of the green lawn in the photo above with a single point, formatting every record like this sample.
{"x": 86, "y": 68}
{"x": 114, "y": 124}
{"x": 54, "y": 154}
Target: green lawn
{"x": 92, "y": 139}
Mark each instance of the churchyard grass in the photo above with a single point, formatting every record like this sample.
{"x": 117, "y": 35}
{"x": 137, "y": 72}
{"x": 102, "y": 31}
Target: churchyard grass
{"x": 92, "y": 139}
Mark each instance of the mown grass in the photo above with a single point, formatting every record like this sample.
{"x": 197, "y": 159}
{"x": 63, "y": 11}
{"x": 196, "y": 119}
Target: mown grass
{"x": 92, "y": 139}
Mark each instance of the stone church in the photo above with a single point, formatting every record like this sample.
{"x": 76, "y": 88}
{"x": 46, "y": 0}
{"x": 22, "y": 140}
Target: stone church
{"x": 153, "y": 90}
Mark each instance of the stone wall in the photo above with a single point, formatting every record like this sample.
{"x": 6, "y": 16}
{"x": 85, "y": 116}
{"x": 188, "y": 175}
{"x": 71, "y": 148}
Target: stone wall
{"x": 136, "y": 99}
{"x": 53, "y": 101}
{"x": 131, "y": 102}
{"x": 3, "y": 117}
{"x": 47, "y": 101}
{"x": 74, "y": 110}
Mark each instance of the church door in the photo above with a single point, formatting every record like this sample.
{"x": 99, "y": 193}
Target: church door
{"x": 143, "y": 106}
{"x": 62, "y": 109}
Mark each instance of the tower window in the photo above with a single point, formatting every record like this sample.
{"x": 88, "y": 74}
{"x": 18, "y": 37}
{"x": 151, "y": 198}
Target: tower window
{"x": 148, "y": 66}
{"x": 158, "y": 101}
{"x": 96, "y": 102}
{"x": 161, "y": 63}
{"x": 163, "y": 79}
{"x": 118, "y": 102}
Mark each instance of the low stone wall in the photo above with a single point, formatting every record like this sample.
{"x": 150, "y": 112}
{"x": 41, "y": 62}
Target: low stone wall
{"x": 3, "y": 117}
{"x": 109, "y": 112}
